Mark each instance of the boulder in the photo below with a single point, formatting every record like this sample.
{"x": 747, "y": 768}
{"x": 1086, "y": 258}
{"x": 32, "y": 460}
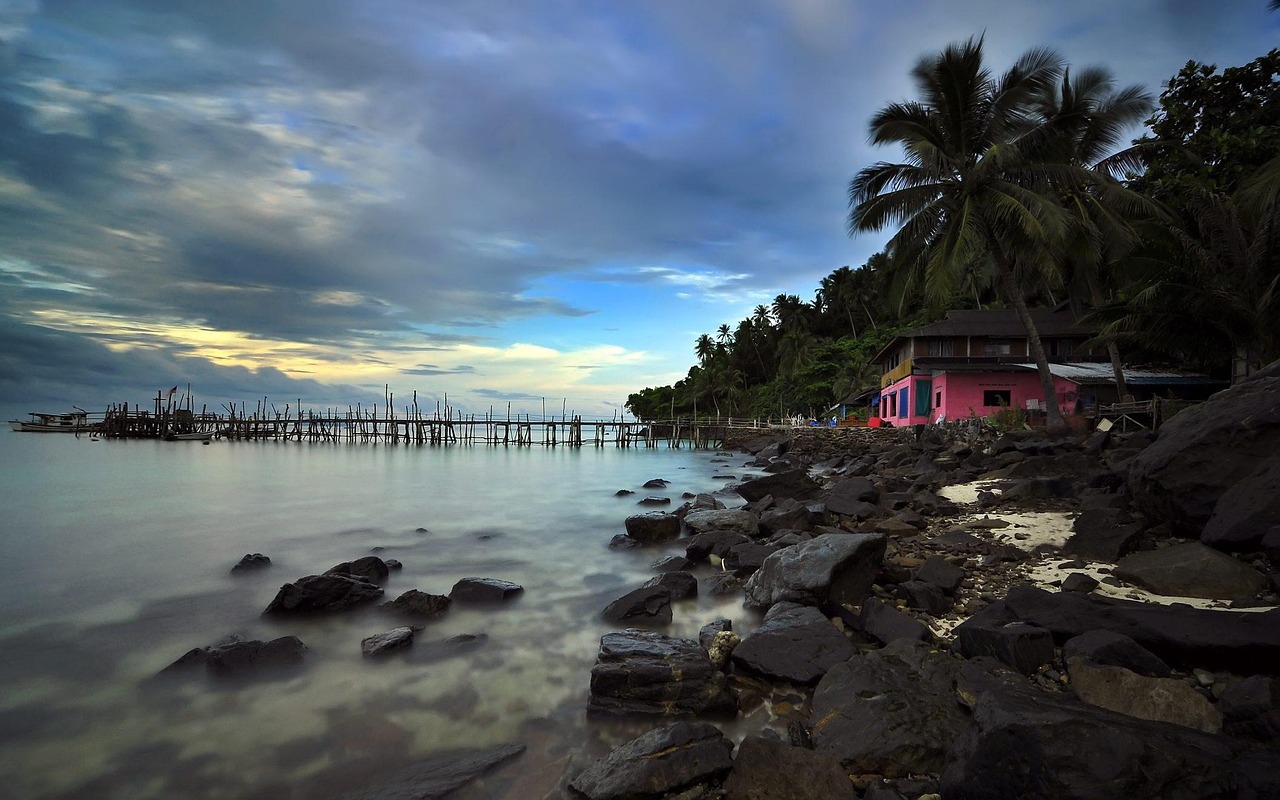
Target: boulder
{"x": 886, "y": 624}
{"x": 1134, "y": 695}
{"x": 925, "y": 597}
{"x": 941, "y": 573}
{"x": 321, "y": 593}
{"x": 776, "y": 520}
{"x": 707, "y": 634}
{"x": 251, "y": 563}
{"x": 1191, "y": 570}
{"x": 484, "y": 590}
{"x": 770, "y": 770}
{"x": 656, "y": 483}
{"x": 795, "y": 644}
{"x": 651, "y": 604}
{"x": 672, "y": 564}
{"x": 1240, "y": 642}
{"x": 735, "y": 521}
{"x": 1079, "y": 582}
{"x": 1247, "y": 516}
{"x": 835, "y": 567}
{"x": 1103, "y": 534}
{"x": 235, "y": 656}
{"x": 383, "y": 643}
{"x": 653, "y": 528}
{"x": 848, "y": 495}
{"x": 654, "y": 500}
{"x": 1116, "y": 650}
{"x": 443, "y": 649}
{"x": 702, "y": 546}
{"x": 642, "y": 673}
{"x": 681, "y": 585}
{"x": 369, "y": 568}
{"x": 891, "y": 712}
{"x": 793, "y": 483}
{"x": 744, "y": 559}
{"x": 658, "y": 764}
{"x": 415, "y": 603}
{"x": 1251, "y": 707}
{"x": 991, "y": 632}
{"x": 439, "y": 775}
{"x": 1207, "y": 449}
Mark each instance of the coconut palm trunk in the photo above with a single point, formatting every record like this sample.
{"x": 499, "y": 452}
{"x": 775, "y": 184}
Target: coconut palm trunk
{"x": 1054, "y": 422}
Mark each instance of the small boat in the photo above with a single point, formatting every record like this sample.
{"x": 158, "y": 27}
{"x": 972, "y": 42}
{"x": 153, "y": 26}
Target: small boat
{"x": 71, "y": 422}
{"x": 188, "y": 437}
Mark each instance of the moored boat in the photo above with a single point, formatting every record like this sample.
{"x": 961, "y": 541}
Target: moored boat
{"x": 71, "y": 422}
{"x": 188, "y": 437}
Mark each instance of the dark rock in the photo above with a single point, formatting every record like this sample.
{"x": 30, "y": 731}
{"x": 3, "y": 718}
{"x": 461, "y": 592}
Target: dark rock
{"x": 393, "y": 564}
{"x": 1115, "y": 649}
{"x": 769, "y": 770}
{"x": 1103, "y": 535}
{"x": 891, "y": 712}
{"x": 369, "y": 568}
{"x": 384, "y": 643}
{"x": 681, "y": 585}
{"x": 442, "y": 649}
{"x": 623, "y": 493}
{"x": 1240, "y": 642}
{"x": 702, "y": 546}
{"x": 1251, "y": 707}
{"x": 1207, "y": 449}
{"x": 651, "y": 604}
{"x": 1191, "y": 570}
{"x": 1157, "y": 699}
{"x": 1045, "y": 488}
{"x": 794, "y": 483}
{"x": 1247, "y": 516}
{"x": 719, "y": 584}
{"x": 251, "y": 562}
{"x": 658, "y": 764}
{"x": 780, "y": 519}
{"x": 236, "y": 656}
{"x": 320, "y": 593}
{"x": 622, "y": 541}
{"x": 744, "y": 559}
{"x": 654, "y": 501}
{"x": 848, "y": 493}
{"x": 925, "y": 597}
{"x": 656, "y": 483}
{"x": 416, "y": 603}
{"x": 1079, "y": 582}
{"x": 672, "y": 564}
{"x": 831, "y": 567}
{"x": 990, "y": 633}
{"x": 643, "y": 673}
{"x": 438, "y": 776}
{"x": 735, "y": 521}
{"x": 796, "y": 644}
{"x": 941, "y": 573}
{"x": 484, "y": 590}
{"x": 887, "y": 624}
{"x": 708, "y": 632}
{"x": 653, "y": 528}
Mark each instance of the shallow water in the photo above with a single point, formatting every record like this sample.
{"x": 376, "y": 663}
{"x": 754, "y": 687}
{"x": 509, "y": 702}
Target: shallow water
{"x": 117, "y": 559}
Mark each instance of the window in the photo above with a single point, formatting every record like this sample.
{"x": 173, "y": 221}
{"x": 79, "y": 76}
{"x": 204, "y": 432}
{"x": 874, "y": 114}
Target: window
{"x": 997, "y": 348}
{"x": 904, "y": 403}
{"x": 941, "y": 348}
{"x": 937, "y": 400}
{"x": 997, "y": 397}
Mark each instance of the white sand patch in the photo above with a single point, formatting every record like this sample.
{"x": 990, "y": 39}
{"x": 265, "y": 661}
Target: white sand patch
{"x": 966, "y": 494}
{"x": 1030, "y": 529}
{"x": 1043, "y": 575}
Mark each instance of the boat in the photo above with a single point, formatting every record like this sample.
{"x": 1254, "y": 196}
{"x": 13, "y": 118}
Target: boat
{"x": 188, "y": 437}
{"x": 71, "y": 422}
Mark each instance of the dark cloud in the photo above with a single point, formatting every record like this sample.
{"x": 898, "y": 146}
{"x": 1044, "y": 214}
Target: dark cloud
{"x": 432, "y": 369}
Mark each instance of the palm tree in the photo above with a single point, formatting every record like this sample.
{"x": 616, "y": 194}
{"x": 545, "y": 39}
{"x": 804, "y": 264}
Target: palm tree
{"x": 972, "y": 188}
{"x": 704, "y": 348}
{"x": 1094, "y": 119}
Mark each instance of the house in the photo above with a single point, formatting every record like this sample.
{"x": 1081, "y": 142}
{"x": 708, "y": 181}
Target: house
{"x": 976, "y": 362}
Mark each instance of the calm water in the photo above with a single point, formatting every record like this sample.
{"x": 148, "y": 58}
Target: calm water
{"x": 116, "y": 559}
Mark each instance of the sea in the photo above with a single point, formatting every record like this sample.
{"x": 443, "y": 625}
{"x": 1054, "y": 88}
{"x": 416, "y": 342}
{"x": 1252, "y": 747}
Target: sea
{"x": 117, "y": 560}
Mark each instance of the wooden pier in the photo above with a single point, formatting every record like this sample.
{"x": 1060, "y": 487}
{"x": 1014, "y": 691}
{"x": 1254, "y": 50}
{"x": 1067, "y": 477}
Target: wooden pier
{"x": 409, "y": 426}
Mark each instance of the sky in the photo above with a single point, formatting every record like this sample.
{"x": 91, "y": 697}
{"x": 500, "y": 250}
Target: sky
{"x": 497, "y": 201}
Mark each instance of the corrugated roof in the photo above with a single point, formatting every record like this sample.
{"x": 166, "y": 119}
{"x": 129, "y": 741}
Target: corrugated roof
{"x": 1102, "y": 373}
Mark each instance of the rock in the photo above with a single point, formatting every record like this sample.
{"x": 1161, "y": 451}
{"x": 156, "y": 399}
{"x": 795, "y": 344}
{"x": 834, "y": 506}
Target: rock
{"x": 848, "y": 496}
{"x": 393, "y": 564}
{"x": 1206, "y": 449}
{"x": 643, "y": 673}
{"x": 622, "y": 541}
{"x": 1247, "y": 516}
{"x": 251, "y": 563}
{"x": 438, "y": 776}
{"x": 1029, "y": 744}
{"x": 794, "y": 483}
{"x": 658, "y": 764}
{"x": 1191, "y": 570}
{"x": 1134, "y": 695}
{"x": 735, "y": 521}
{"x": 680, "y": 585}
{"x": 383, "y": 643}
{"x": 1239, "y": 642}
{"x": 991, "y": 633}
{"x": 831, "y": 567}
{"x": 1079, "y": 582}
{"x": 896, "y": 526}
{"x": 652, "y": 500}
{"x": 941, "y": 573}
{"x": 769, "y": 770}
{"x": 623, "y": 493}
{"x": 321, "y": 593}
{"x": 656, "y": 483}
{"x": 416, "y": 603}
{"x": 1103, "y": 535}
{"x": 369, "y": 568}
{"x": 887, "y": 624}
{"x": 672, "y": 564}
{"x": 442, "y": 649}
{"x": 651, "y": 604}
{"x": 1042, "y": 488}
{"x": 925, "y": 597}
{"x": 1251, "y": 707}
{"x": 1116, "y": 650}
{"x": 653, "y": 528}
{"x": 744, "y": 559}
{"x": 713, "y": 543}
{"x": 891, "y": 712}
{"x": 796, "y": 644}
{"x": 484, "y": 590}
{"x": 719, "y": 584}
{"x": 721, "y": 648}
{"x": 235, "y": 656}
{"x": 708, "y": 632}
{"x": 776, "y": 520}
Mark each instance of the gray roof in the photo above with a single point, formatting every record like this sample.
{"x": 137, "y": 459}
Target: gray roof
{"x": 1102, "y": 373}
{"x": 999, "y": 323}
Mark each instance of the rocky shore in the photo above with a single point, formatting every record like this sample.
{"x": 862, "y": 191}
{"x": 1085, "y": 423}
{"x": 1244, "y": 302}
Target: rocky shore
{"x": 965, "y": 613}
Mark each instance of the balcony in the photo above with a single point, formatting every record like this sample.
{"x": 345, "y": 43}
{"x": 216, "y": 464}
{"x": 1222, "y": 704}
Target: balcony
{"x": 897, "y": 373}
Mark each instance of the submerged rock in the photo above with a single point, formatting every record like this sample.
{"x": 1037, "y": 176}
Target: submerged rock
{"x": 236, "y": 656}
{"x": 653, "y": 528}
{"x": 383, "y": 643}
{"x": 321, "y": 593}
{"x": 484, "y": 590}
{"x": 417, "y": 603}
{"x": 642, "y": 673}
{"x": 251, "y": 562}
{"x": 658, "y": 764}
{"x": 646, "y": 604}
{"x": 369, "y": 568}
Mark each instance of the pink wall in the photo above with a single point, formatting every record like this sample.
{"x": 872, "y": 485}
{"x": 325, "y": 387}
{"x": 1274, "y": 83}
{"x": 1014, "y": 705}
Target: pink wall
{"x": 963, "y": 394}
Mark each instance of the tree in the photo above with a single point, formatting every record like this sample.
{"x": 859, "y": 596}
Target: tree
{"x": 704, "y": 348}
{"x": 973, "y": 186}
